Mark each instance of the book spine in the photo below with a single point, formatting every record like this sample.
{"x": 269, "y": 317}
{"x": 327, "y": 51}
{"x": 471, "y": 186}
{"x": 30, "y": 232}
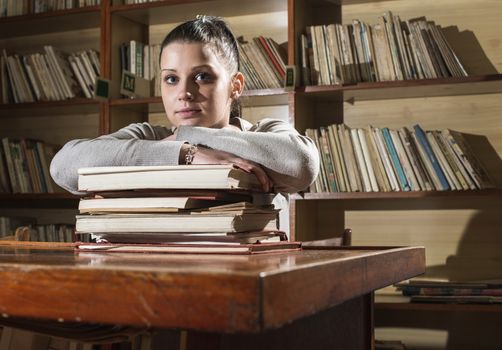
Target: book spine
{"x": 403, "y": 183}
{"x": 430, "y": 155}
{"x": 360, "y": 161}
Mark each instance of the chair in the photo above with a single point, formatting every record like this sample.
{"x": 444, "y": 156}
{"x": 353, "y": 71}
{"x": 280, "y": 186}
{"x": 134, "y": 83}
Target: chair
{"x": 343, "y": 241}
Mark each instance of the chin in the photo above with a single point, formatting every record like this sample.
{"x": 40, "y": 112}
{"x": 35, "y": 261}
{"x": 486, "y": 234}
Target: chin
{"x": 192, "y": 122}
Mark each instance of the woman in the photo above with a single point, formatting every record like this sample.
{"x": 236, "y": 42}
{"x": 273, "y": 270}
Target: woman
{"x": 200, "y": 85}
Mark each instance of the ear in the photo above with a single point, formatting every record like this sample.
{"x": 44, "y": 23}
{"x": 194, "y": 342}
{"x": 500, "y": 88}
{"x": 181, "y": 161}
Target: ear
{"x": 237, "y": 85}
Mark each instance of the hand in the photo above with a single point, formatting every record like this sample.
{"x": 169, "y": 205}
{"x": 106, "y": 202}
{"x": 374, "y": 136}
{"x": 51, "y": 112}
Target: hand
{"x": 212, "y": 156}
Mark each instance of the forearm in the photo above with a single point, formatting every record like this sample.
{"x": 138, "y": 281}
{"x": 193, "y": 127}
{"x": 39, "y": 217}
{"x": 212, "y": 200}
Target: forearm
{"x": 289, "y": 159}
{"x": 108, "y": 151}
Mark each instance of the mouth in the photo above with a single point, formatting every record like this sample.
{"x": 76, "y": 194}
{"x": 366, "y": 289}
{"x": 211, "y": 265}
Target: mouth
{"x": 188, "y": 112}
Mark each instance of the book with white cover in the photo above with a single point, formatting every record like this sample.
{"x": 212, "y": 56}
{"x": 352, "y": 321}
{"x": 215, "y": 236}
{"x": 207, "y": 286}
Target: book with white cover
{"x": 224, "y": 176}
{"x": 142, "y": 204}
{"x": 228, "y": 221}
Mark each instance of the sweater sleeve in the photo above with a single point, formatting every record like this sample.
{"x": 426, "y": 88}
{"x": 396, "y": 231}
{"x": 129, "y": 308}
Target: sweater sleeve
{"x": 136, "y": 144}
{"x": 289, "y": 159}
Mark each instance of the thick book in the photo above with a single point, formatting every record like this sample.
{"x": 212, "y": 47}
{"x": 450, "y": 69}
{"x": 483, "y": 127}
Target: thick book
{"x": 172, "y": 248}
{"x": 99, "y": 204}
{"x": 206, "y": 221}
{"x": 190, "y": 238}
{"x": 223, "y": 177}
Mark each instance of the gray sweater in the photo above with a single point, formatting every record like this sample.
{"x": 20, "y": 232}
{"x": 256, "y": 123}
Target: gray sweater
{"x": 290, "y": 159}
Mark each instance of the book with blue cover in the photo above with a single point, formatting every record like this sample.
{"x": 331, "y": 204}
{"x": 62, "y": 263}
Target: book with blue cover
{"x": 431, "y": 156}
{"x": 403, "y": 182}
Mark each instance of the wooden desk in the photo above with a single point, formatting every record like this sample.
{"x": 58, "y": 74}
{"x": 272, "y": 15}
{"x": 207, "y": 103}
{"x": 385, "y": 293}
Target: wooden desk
{"x": 313, "y": 298}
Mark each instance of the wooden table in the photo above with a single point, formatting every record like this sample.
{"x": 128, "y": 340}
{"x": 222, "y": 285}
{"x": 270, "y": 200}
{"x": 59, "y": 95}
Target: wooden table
{"x": 315, "y": 298}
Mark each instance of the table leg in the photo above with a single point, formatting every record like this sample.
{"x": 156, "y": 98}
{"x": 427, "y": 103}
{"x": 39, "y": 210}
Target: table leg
{"x": 345, "y": 326}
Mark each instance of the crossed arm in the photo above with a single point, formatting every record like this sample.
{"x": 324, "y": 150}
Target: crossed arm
{"x": 271, "y": 149}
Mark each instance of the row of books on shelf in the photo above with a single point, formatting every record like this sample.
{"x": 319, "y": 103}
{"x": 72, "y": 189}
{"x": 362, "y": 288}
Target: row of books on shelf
{"x": 130, "y": 2}
{"x": 26, "y": 229}
{"x": 142, "y": 60}
{"x": 390, "y": 49}
{"x": 25, "y": 7}
{"x": 24, "y": 166}
{"x": 49, "y": 76}
{"x": 177, "y": 209}
{"x": 263, "y": 63}
{"x": 408, "y": 159}
{"x": 431, "y": 291}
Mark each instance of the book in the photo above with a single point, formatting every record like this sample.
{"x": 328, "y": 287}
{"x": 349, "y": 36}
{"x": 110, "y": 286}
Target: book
{"x": 149, "y": 204}
{"x": 206, "y": 221}
{"x": 457, "y": 299}
{"x": 170, "y": 248}
{"x": 363, "y": 171}
{"x": 190, "y": 238}
{"x": 224, "y": 176}
{"x": 429, "y": 153}
{"x": 396, "y": 164}
{"x": 387, "y": 162}
{"x": 471, "y": 163}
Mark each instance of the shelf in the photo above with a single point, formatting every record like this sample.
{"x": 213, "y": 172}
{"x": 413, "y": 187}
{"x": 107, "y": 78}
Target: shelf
{"x": 399, "y": 195}
{"x": 71, "y": 106}
{"x": 266, "y": 97}
{"x": 439, "y": 307}
{"x": 47, "y": 22}
{"x": 177, "y": 11}
{"x": 39, "y": 200}
{"x": 473, "y": 85}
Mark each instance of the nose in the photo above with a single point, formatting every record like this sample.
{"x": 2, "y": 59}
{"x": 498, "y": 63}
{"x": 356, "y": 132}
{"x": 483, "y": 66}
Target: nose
{"x": 186, "y": 96}
{"x": 187, "y": 92}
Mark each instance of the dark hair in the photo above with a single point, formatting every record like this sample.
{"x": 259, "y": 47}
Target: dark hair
{"x": 215, "y": 32}
{"x": 208, "y": 30}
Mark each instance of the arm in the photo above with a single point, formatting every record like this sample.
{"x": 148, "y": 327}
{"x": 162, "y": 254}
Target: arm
{"x": 136, "y": 144}
{"x": 289, "y": 159}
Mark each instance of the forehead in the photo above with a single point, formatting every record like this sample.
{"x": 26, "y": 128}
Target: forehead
{"x": 179, "y": 55}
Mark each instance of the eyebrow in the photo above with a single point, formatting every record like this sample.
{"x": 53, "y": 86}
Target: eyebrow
{"x": 193, "y": 68}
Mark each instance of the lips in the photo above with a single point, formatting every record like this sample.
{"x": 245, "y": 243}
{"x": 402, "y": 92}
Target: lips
{"x": 188, "y": 112}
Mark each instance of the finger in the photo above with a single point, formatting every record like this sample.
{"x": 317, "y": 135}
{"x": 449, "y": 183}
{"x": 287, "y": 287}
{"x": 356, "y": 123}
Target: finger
{"x": 262, "y": 178}
{"x": 256, "y": 169}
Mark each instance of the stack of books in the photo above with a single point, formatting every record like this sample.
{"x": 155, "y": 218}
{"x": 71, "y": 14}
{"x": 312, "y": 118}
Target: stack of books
{"x": 196, "y": 208}
{"x": 431, "y": 291}
{"x": 408, "y": 159}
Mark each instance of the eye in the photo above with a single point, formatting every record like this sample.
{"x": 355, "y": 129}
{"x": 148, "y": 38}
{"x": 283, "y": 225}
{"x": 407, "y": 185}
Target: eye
{"x": 204, "y": 77}
{"x": 171, "y": 79}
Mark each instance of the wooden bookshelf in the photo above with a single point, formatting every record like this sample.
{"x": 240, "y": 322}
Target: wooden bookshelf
{"x": 64, "y": 107}
{"x": 401, "y": 195}
{"x": 38, "y": 200}
{"x": 481, "y": 308}
{"x": 471, "y": 85}
{"x": 54, "y": 21}
{"x": 264, "y": 97}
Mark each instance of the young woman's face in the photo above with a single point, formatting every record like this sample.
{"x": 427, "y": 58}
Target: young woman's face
{"x": 197, "y": 89}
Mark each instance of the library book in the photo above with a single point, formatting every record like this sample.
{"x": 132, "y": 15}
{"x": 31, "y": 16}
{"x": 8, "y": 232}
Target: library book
{"x": 117, "y": 178}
